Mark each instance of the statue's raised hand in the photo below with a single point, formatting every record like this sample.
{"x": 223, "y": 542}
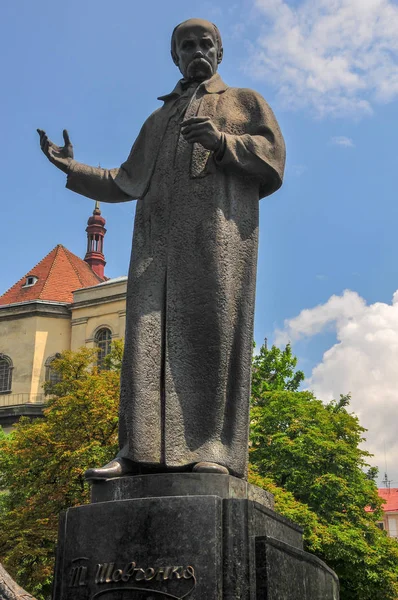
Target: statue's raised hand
{"x": 60, "y": 156}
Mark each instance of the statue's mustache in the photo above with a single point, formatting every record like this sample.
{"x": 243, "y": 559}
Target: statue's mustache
{"x": 199, "y": 60}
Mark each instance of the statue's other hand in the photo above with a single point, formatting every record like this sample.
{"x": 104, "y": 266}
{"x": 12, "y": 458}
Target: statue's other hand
{"x": 203, "y": 131}
{"x": 60, "y": 156}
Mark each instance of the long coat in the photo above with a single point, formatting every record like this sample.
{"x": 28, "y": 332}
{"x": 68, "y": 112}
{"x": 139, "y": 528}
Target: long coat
{"x": 185, "y": 383}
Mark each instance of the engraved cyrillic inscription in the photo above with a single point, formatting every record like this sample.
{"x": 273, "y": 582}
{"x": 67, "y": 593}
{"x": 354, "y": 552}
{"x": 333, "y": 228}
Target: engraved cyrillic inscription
{"x": 109, "y": 572}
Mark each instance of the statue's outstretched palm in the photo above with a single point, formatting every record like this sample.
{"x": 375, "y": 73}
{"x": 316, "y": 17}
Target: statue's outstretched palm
{"x": 60, "y": 156}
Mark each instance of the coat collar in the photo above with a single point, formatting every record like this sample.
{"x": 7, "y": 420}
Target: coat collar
{"x": 214, "y": 85}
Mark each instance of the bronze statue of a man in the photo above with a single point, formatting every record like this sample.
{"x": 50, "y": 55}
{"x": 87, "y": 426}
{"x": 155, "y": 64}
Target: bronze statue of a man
{"x": 197, "y": 170}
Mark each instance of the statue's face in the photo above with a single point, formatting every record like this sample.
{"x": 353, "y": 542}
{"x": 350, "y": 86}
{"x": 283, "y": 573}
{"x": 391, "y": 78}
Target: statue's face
{"x": 197, "y": 51}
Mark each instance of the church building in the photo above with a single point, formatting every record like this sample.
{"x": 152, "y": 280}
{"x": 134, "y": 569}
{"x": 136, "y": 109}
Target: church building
{"x": 62, "y": 303}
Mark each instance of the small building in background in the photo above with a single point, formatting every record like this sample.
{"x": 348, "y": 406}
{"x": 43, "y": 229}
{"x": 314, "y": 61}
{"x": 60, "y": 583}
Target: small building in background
{"x": 62, "y": 303}
{"x": 389, "y": 523}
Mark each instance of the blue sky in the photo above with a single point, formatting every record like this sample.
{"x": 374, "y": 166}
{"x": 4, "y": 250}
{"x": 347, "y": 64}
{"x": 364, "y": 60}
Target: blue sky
{"x": 328, "y": 68}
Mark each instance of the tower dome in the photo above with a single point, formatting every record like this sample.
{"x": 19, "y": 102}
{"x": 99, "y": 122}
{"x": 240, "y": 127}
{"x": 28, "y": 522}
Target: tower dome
{"x": 95, "y": 242}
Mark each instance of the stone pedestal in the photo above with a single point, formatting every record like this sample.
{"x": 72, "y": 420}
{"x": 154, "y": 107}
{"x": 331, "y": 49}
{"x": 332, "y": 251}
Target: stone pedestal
{"x": 184, "y": 535}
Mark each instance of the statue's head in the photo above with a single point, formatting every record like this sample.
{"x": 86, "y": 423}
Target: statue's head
{"x": 196, "y": 49}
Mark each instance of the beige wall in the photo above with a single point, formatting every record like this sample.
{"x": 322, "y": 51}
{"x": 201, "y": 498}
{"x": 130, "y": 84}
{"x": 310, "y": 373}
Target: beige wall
{"x": 17, "y": 340}
{"x": 390, "y": 523}
{"x": 101, "y": 306}
{"x": 29, "y": 341}
{"x": 52, "y": 336}
{"x": 31, "y": 333}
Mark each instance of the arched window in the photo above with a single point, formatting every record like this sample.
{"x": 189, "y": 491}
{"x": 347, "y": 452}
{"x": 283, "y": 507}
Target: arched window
{"x": 5, "y": 373}
{"x": 52, "y": 376}
{"x": 103, "y": 339}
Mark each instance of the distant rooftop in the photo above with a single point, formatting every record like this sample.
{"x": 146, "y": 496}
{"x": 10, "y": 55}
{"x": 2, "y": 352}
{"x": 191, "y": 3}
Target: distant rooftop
{"x": 110, "y": 281}
{"x": 53, "y": 279}
{"x": 390, "y": 495}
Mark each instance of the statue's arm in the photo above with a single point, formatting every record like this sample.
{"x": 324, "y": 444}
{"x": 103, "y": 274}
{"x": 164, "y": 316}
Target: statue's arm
{"x": 95, "y": 183}
{"x": 259, "y": 153}
{"x": 253, "y": 156}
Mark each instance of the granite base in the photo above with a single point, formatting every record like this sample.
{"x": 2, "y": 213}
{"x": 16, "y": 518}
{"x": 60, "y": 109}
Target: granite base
{"x": 184, "y": 535}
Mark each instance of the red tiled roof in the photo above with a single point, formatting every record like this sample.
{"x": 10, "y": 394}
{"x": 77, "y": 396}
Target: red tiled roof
{"x": 390, "y": 495}
{"x": 58, "y": 274}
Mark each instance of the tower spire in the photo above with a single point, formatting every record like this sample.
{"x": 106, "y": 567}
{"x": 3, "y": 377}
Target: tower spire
{"x": 95, "y": 242}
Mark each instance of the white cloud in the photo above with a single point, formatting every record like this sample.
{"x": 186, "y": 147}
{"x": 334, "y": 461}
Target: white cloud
{"x": 336, "y": 57}
{"x": 364, "y": 361}
{"x": 342, "y": 140}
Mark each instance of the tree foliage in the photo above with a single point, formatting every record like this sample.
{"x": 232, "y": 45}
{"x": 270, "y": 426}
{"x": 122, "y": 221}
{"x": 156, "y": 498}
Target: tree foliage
{"x": 274, "y": 369}
{"x": 305, "y": 452}
{"x": 42, "y": 463}
{"x": 308, "y": 455}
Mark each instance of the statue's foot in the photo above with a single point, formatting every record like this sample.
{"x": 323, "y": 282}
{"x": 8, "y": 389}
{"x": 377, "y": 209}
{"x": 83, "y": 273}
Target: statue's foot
{"x": 210, "y": 467}
{"x": 116, "y": 468}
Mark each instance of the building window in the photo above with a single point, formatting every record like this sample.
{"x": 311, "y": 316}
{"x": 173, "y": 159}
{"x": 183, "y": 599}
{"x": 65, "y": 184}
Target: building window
{"x": 95, "y": 243}
{"x": 30, "y": 280}
{"x": 380, "y": 525}
{"x": 5, "y": 373}
{"x": 52, "y": 376}
{"x": 103, "y": 339}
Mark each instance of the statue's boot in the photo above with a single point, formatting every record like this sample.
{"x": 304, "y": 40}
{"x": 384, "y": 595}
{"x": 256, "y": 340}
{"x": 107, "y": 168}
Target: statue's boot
{"x": 116, "y": 468}
{"x": 209, "y": 467}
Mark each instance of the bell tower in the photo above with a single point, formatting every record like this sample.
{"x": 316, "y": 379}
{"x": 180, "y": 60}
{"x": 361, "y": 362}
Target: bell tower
{"x": 95, "y": 242}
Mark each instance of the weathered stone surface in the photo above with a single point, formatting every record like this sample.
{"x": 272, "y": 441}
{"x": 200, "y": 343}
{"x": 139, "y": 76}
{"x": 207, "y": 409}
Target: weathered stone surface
{"x": 267, "y": 522}
{"x": 9, "y": 589}
{"x": 216, "y": 545}
{"x": 283, "y": 572}
{"x": 174, "y": 543}
{"x": 179, "y": 484}
{"x": 198, "y": 169}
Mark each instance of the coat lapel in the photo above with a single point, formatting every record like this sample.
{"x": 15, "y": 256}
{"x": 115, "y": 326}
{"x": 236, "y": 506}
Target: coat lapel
{"x": 206, "y": 106}
{"x": 135, "y": 173}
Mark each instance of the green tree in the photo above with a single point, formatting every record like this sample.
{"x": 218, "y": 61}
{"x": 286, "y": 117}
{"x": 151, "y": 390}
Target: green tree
{"x": 308, "y": 455}
{"x": 42, "y": 463}
{"x": 305, "y": 452}
{"x": 274, "y": 369}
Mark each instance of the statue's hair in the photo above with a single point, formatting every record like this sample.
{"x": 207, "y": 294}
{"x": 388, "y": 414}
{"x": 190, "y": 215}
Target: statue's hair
{"x": 174, "y": 41}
